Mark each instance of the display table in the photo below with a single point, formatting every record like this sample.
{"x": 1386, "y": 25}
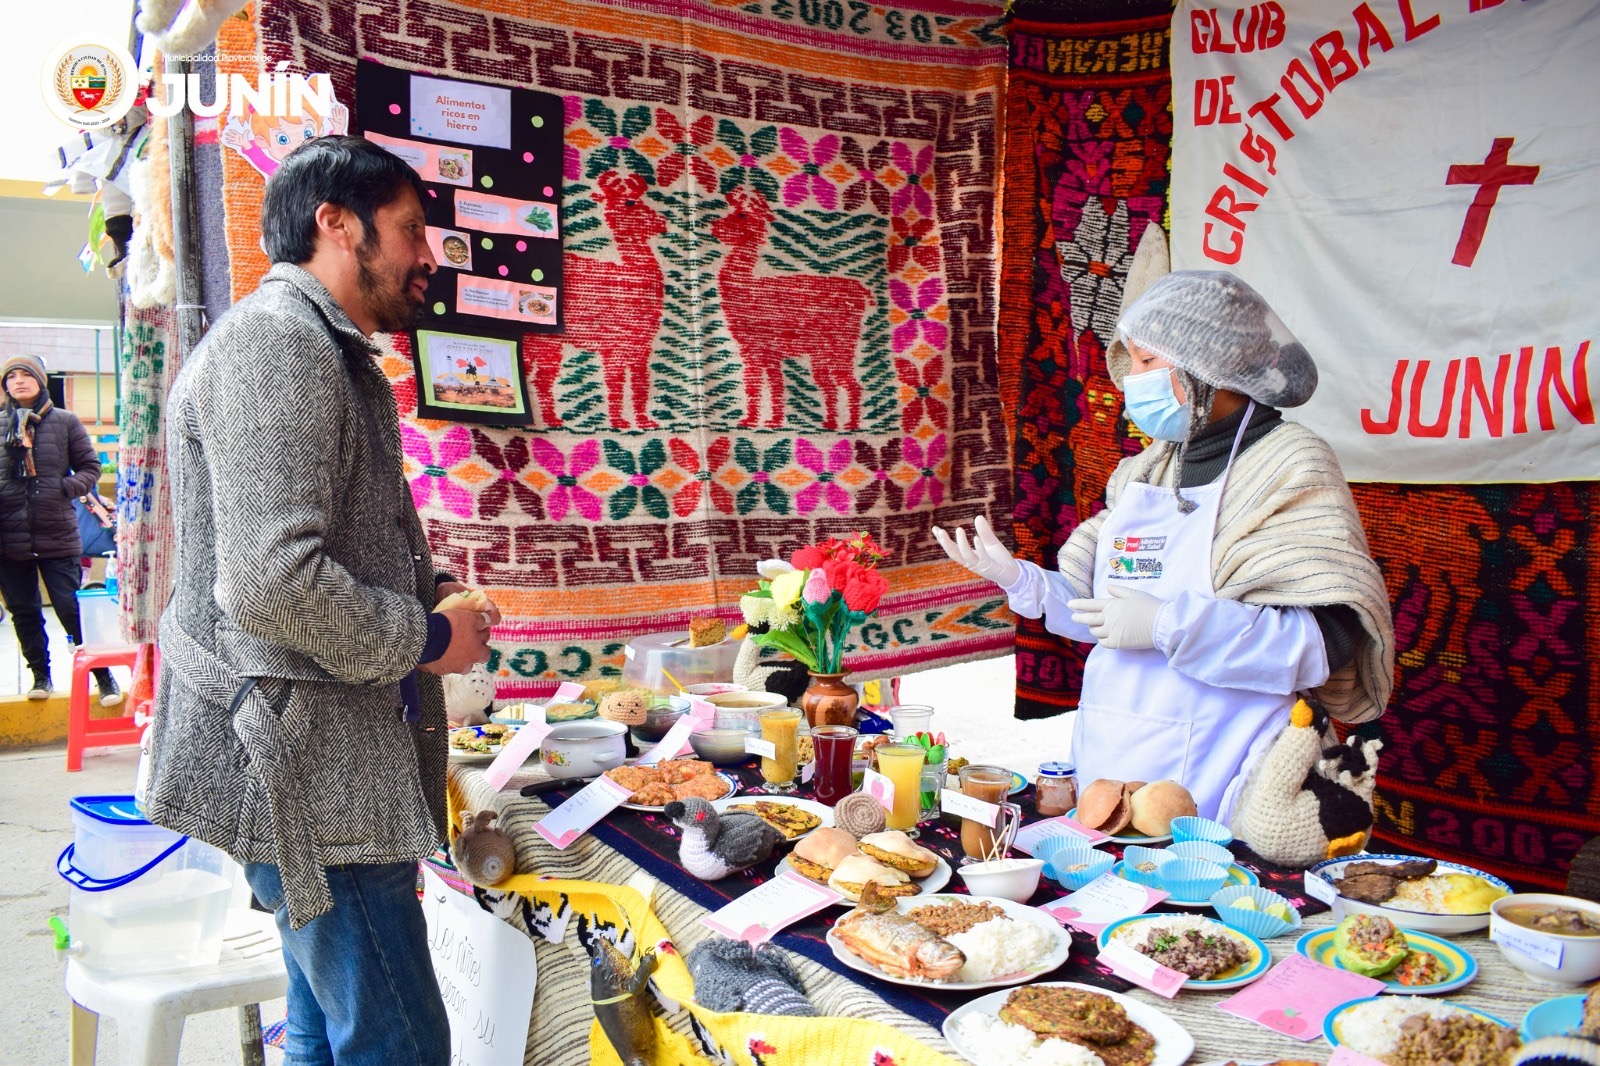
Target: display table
{"x": 630, "y": 844}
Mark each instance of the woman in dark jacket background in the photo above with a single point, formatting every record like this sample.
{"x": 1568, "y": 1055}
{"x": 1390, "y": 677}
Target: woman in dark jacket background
{"x": 48, "y": 462}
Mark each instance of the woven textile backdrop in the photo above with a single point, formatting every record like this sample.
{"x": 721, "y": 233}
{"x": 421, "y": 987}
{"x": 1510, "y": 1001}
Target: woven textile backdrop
{"x": 783, "y": 214}
{"x": 1490, "y": 739}
{"x": 1087, "y": 136}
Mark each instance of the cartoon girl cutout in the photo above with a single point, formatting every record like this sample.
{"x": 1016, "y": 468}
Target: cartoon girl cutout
{"x": 265, "y": 140}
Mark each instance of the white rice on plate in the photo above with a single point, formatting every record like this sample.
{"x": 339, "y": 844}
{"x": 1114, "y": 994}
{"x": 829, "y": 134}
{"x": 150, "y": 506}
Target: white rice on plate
{"x": 1001, "y": 947}
{"x": 1373, "y": 1028}
{"x": 1138, "y": 934}
{"x": 998, "y": 1043}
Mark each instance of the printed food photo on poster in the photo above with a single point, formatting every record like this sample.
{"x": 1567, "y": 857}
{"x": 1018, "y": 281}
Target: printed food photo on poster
{"x": 470, "y": 379}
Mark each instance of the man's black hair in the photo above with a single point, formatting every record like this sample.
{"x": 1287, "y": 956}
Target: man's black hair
{"x": 352, "y": 172}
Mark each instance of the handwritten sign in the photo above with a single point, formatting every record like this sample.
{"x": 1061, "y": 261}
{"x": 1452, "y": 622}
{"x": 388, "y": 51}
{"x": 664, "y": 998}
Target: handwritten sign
{"x": 567, "y": 692}
{"x": 701, "y": 711}
{"x": 486, "y": 971}
{"x": 764, "y": 748}
{"x": 582, "y": 810}
{"x": 1536, "y": 946}
{"x": 1317, "y": 887}
{"x": 879, "y": 788}
{"x": 521, "y": 745}
{"x": 1104, "y": 900}
{"x": 1141, "y": 969}
{"x": 1297, "y": 994}
{"x": 965, "y": 806}
{"x": 760, "y": 913}
{"x": 672, "y": 745}
{"x": 1030, "y": 836}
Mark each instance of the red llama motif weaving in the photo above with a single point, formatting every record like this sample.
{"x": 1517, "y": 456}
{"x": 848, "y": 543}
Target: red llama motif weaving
{"x": 780, "y": 275}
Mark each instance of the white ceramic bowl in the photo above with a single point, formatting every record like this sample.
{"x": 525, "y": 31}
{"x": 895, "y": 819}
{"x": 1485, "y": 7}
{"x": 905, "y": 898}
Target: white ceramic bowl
{"x": 1013, "y": 879}
{"x": 1580, "y": 955}
{"x": 583, "y": 749}
{"x": 714, "y": 688}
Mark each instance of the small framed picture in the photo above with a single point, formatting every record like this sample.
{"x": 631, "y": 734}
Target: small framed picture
{"x": 470, "y": 379}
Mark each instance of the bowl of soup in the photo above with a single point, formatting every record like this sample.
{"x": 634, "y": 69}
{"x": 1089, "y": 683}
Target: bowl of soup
{"x": 742, "y": 710}
{"x": 1549, "y": 937}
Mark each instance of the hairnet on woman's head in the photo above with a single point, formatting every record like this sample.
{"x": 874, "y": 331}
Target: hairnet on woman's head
{"x": 1218, "y": 329}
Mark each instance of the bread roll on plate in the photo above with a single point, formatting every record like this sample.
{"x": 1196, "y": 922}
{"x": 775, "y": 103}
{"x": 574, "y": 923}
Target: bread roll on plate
{"x": 894, "y": 848}
{"x": 853, "y": 874}
{"x": 819, "y": 854}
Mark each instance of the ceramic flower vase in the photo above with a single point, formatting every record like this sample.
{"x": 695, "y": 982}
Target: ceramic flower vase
{"x": 829, "y": 701}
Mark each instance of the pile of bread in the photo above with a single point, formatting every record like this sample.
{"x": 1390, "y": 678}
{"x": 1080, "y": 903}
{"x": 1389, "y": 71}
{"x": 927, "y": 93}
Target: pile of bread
{"x": 835, "y": 858}
{"x": 1113, "y": 807}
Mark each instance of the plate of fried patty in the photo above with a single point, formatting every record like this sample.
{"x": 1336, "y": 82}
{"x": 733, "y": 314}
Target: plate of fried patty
{"x": 1120, "y": 1030}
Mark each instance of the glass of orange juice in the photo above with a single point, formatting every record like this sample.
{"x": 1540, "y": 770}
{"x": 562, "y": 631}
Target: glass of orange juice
{"x": 781, "y": 727}
{"x": 902, "y": 765}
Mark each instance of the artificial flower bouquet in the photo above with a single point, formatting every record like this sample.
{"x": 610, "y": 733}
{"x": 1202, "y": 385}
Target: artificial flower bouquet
{"x": 810, "y": 603}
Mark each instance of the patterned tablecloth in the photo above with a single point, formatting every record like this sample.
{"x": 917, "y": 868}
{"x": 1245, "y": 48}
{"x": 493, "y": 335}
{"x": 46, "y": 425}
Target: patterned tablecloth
{"x": 630, "y": 845}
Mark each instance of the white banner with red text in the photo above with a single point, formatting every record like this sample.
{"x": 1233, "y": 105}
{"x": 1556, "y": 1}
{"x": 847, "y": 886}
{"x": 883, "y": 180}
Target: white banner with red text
{"x": 1414, "y": 185}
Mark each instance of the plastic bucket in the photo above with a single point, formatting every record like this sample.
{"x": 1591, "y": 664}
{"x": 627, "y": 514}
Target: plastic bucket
{"x": 97, "y": 616}
{"x": 142, "y": 899}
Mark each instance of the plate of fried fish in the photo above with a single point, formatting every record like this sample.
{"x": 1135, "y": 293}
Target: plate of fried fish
{"x": 952, "y": 942}
{"x": 1028, "y": 1024}
{"x": 674, "y": 779}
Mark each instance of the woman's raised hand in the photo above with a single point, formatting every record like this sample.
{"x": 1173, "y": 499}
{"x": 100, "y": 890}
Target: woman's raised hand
{"x": 984, "y": 556}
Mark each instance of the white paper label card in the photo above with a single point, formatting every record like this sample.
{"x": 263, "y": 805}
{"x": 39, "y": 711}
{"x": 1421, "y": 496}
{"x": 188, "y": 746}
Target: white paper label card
{"x": 701, "y": 710}
{"x": 582, "y": 810}
{"x": 460, "y": 112}
{"x": 1032, "y": 835}
{"x": 964, "y": 806}
{"x": 879, "y": 788}
{"x": 1141, "y": 969}
{"x": 1318, "y": 888}
{"x": 1536, "y": 946}
{"x": 567, "y": 692}
{"x": 764, "y": 748}
{"x": 807, "y": 772}
{"x": 522, "y": 744}
{"x": 1106, "y": 899}
{"x": 758, "y": 914}
{"x": 671, "y": 745}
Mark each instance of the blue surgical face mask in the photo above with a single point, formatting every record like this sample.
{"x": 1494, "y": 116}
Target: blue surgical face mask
{"x": 1154, "y": 407}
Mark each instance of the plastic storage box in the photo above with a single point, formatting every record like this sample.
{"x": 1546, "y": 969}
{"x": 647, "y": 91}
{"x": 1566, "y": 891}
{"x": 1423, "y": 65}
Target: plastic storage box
{"x": 649, "y": 659}
{"x": 97, "y": 616}
{"x": 142, "y": 899}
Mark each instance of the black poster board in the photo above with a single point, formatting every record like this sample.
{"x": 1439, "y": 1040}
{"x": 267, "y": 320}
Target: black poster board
{"x": 490, "y": 157}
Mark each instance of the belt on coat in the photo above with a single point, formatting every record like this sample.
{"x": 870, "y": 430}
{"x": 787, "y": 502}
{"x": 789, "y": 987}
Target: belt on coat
{"x": 276, "y": 746}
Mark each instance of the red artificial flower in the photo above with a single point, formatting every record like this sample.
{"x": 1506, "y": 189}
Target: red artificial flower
{"x": 808, "y": 558}
{"x": 865, "y": 589}
{"x": 840, "y": 570}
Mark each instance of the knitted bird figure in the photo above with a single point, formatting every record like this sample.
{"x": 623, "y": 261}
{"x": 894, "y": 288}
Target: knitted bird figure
{"x": 713, "y": 845}
{"x": 1308, "y": 800}
{"x": 730, "y": 975}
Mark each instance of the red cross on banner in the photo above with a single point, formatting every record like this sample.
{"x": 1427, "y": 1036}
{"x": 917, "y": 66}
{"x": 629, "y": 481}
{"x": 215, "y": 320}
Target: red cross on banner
{"x": 1489, "y": 176}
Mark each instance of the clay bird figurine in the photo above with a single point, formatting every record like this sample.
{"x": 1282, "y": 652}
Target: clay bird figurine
{"x": 713, "y": 845}
{"x": 483, "y": 852}
{"x": 617, "y": 990}
{"x": 1308, "y": 799}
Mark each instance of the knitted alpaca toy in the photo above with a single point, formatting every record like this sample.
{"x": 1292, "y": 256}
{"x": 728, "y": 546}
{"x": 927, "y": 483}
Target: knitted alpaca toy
{"x": 183, "y": 27}
{"x": 469, "y": 697}
{"x": 730, "y": 975}
{"x": 713, "y": 845}
{"x": 1308, "y": 799}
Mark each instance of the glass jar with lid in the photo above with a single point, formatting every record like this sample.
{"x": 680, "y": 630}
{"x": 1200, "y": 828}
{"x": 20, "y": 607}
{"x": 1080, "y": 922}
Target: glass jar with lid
{"x": 1056, "y": 788}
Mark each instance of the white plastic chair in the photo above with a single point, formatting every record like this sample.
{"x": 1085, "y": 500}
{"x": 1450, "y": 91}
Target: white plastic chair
{"x": 150, "y": 1009}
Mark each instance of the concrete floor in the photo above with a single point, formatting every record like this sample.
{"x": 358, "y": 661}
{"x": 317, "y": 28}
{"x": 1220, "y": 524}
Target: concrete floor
{"x": 972, "y": 703}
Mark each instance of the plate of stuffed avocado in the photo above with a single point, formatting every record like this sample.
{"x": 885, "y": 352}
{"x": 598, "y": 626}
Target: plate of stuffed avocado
{"x": 1408, "y": 963}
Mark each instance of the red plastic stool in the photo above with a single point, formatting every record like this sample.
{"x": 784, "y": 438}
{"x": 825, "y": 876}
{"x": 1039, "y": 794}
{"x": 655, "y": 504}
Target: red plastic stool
{"x": 85, "y": 732}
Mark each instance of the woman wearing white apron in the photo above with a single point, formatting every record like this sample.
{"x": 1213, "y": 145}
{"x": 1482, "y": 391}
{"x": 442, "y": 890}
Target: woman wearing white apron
{"x": 1229, "y": 571}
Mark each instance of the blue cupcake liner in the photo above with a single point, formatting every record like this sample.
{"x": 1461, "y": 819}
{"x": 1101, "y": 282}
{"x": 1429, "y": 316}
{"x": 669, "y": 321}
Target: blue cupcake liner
{"x": 1191, "y": 880}
{"x": 1071, "y": 854}
{"x": 1203, "y": 849}
{"x": 1135, "y": 855}
{"x": 1258, "y": 922}
{"x": 1190, "y": 827}
{"x": 1047, "y": 847}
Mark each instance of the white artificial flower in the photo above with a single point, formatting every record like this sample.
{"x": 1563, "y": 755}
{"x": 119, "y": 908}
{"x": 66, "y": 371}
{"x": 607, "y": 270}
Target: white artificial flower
{"x": 771, "y": 568}
{"x": 756, "y": 609}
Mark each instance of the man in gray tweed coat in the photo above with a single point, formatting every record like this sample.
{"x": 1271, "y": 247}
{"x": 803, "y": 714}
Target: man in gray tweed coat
{"x": 293, "y": 729}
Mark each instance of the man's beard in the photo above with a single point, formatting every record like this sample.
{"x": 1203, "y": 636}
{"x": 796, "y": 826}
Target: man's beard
{"x": 391, "y": 309}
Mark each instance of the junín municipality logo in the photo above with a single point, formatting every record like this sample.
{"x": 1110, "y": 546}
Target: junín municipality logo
{"x": 89, "y": 84}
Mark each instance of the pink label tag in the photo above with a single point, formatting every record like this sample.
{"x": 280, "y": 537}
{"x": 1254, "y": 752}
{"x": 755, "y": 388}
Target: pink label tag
{"x": 770, "y": 907}
{"x": 521, "y": 745}
{"x": 807, "y": 772}
{"x": 1031, "y": 835}
{"x": 879, "y": 788}
{"x": 1101, "y": 902}
{"x": 701, "y": 711}
{"x": 1295, "y": 996}
{"x": 567, "y": 691}
{"x": 672, "y": 745}
{"x": 1142, "y": 970}
{"x": 582, "y": 810}
{"x": 1343, "y": 1056}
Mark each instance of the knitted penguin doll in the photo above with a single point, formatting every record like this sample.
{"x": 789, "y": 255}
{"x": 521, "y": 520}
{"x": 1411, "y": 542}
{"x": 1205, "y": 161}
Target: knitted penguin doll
{"x": 1308, "y": 799}
{"x": 730, "y": 975}
{"x": 713, "y": 845}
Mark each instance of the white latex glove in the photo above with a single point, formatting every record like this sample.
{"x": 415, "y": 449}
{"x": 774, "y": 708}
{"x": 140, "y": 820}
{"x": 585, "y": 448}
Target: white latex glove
{"x": 985, "y": 556}
{"x": 1126, "y": 619}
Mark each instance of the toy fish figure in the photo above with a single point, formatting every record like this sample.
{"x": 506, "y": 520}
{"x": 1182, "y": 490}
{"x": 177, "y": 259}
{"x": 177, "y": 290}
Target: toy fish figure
{"x": 894, "y": 943}
{"x": 617, "y": 991}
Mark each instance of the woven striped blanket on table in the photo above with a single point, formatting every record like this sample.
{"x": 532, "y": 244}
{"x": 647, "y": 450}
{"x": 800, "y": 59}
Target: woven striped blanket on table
{"x": 780, "y": 257}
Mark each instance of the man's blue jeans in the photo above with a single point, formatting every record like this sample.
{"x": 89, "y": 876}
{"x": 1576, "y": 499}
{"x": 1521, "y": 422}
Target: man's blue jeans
{"x": 361, "y": 986}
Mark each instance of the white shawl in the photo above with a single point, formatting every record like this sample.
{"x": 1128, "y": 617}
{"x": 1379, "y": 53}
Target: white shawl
{"x": 1288, "y": 535}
